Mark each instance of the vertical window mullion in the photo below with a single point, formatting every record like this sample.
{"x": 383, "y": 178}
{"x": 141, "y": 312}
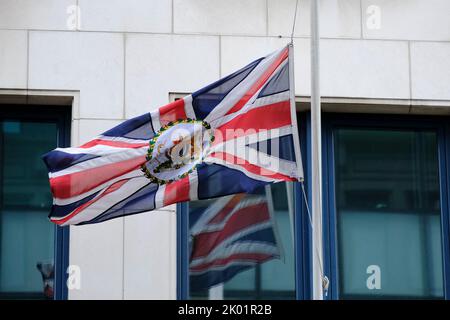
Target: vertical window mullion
{"x": 329, "y": 212}
{"x": 62, "y": 234}
{"x": 182, "y": 213}
{"x": 444, "y": 161}
{"x": 302, "y": 228}
{"x": 1, "y": 183}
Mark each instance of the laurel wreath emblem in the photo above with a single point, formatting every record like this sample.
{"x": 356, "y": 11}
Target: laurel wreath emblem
{"x": 169, "y": 164}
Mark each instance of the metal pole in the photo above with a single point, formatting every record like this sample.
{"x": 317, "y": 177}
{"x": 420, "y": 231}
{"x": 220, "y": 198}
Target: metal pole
{"x": 316, "y": 156}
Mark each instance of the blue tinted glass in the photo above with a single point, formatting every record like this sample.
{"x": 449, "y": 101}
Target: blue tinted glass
{"x": 388, "y": 214}
{"x": 241, "y": 246}
{"x": 26, "y": 236}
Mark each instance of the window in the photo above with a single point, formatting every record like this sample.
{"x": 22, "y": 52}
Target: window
{"x": 31, "y": 248}
{"x": 385, "y": 218}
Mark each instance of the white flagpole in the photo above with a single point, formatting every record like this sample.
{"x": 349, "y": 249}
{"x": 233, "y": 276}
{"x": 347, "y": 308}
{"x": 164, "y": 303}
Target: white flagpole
{"x": 316, "y": 156}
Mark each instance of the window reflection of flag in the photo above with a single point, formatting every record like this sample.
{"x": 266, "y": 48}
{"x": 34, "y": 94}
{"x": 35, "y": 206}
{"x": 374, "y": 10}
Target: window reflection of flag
{"x": 232, "y": 234}
{"x": 47, "y": 270}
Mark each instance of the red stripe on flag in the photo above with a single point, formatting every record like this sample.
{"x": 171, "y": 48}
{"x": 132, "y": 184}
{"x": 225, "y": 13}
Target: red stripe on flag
{"x": 269, "y": 117}
{"x": 73, "y": 184}
{"x": 111, "y": 143}
{"x": 241, "y": 219}
{"x": 232, "y": 159}
{"x": 115, "y": 186}
{"x": 172, "y": 112}
{"x": 177, "y": 191}
{"x": 251, "y": 257}
{"x": 260, "y": 82}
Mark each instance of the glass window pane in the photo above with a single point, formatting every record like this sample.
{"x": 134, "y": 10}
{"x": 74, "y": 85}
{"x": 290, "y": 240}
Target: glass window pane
{"x": 388, "y": 214}
{"x": 26, "y": 236}
{"x": 242, "y": 246}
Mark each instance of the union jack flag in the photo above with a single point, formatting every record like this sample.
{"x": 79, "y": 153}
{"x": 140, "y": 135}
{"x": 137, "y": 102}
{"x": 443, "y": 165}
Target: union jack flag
{"x": 231, "y": 235}
{"x": 233, "y": 136}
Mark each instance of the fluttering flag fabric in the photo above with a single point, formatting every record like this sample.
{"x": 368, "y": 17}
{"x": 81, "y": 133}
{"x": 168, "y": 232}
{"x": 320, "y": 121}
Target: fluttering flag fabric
{"x": 232, "y": 136}
{"x": 231, "y": 235}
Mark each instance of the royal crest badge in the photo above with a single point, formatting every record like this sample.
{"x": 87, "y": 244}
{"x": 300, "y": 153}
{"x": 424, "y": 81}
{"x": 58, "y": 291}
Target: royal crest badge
{"x": 177, "y": 149}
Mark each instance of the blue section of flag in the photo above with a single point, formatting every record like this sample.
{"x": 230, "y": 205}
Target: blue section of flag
{"x": 265, "y": 235}
{"x": 278, "y": 83}
{"x": 205, "y": 281}
{"x": 136, "y": 128}
{"x": 194, "y": 215}
{"x": 59, "y": 160}
{"x": 206, "y": 99}
{"x": 61, "y": 211}
{"x": 215, "y": 180}
{"x": 284, "y": 147}
{"x": 140, "y": 201}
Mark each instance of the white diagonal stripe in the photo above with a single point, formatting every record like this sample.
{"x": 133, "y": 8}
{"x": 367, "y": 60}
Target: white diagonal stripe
{"x": 106, "y": 159}
{"x": 108, "y": 200}
{"x": 238, "y": 92}
{"x": 188, "y": 108}
{"x": 132, "y": 174}
{"x": 258, "y": 103}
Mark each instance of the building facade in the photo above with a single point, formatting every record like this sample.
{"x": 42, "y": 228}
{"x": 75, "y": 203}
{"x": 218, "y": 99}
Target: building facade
{"x": 70, "y": 69}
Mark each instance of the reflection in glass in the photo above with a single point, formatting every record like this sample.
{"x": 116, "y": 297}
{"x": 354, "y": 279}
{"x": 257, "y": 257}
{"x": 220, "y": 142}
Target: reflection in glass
{"x": 388, "y": 214}
{"x": 26, "y": 236}
{"x": 241, "y": 246}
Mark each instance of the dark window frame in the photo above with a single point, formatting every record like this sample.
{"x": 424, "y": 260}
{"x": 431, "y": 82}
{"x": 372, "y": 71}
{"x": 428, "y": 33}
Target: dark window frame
{"x": 61, "y": 116}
